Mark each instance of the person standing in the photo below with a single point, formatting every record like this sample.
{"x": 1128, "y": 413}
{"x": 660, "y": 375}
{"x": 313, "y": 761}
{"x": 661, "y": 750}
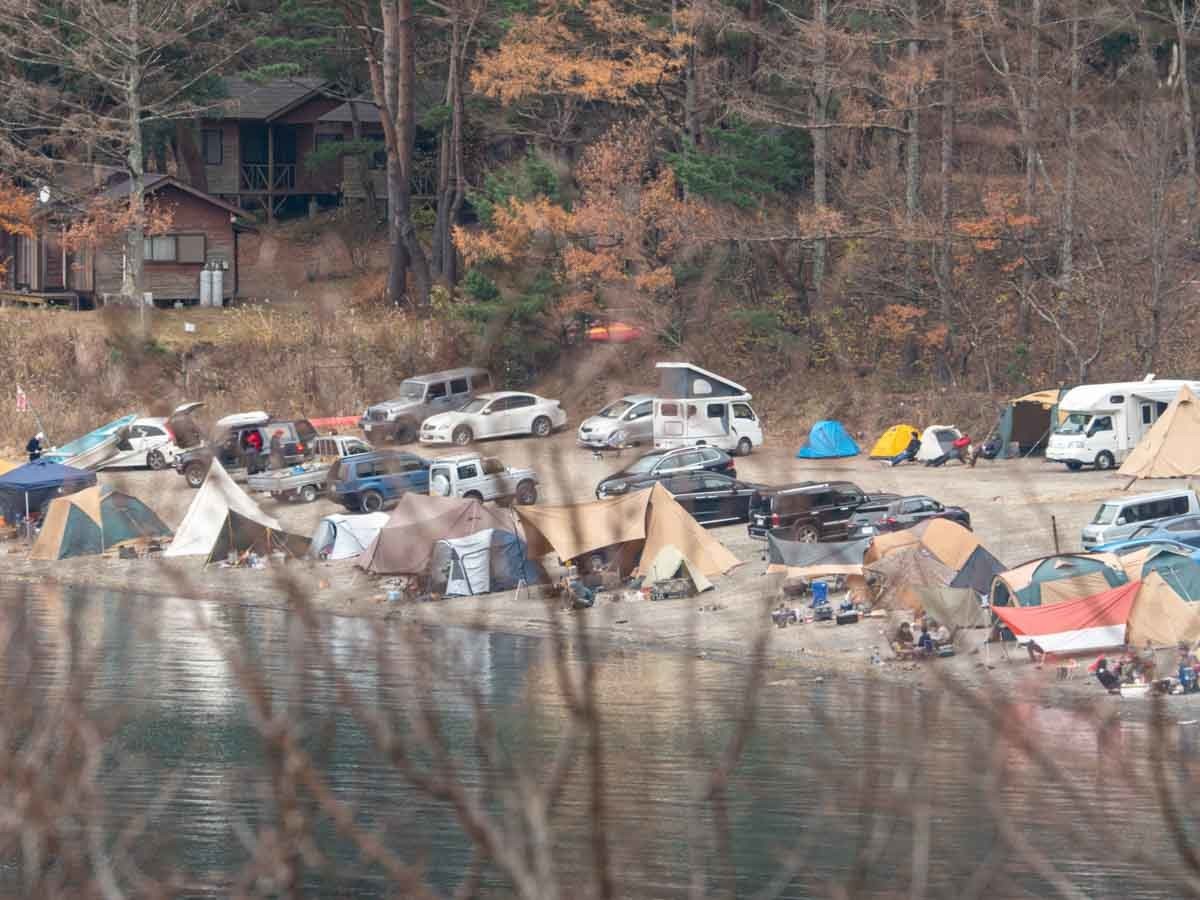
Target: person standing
{"x": 34, "y": 447}
{"x": 276, "y": 460}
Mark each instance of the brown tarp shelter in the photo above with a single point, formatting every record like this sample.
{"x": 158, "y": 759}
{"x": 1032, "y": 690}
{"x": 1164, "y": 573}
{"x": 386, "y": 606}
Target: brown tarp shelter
{"x": 404, "y": 546}
{"x": 648, "y": 520}
{"x": 956, "y": 547}
{"x": 1171, "y": 449}
{"x": 1161, "y": 617}
{"x": 952, "y": 607}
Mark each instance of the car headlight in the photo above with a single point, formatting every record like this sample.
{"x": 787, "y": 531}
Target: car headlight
{"x": 616, "y": 438}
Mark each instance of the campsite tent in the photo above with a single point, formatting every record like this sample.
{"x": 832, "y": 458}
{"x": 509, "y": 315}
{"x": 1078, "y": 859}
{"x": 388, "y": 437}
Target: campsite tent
{"x": 31, "y": 486}
{"x": 671, "y": 563}
{"x": 405, "y": 545}
{"x": 339, "y": 536}
{"x": 643, "y": 522}
{"x": 952, "y": 607}
{"x": 1056, "y": 579}
{"x": 93, "y": 520}
{"x": 479, "y": 563}
{"x": 1026, "y": 422}
{"x": 899, "y": 574}
{"x": 828, "y": 440}
{"x": 1178, "y": 569}
{"x": 936, "y": 441}
{"x": 1096, "y": 622}
{"x": 973, "y": 565}
{"x": 223, "y": 519}
{"x": 1160, "y": 617}
{"x": 894, "y": 441}
{"x": 1171, "y": 448}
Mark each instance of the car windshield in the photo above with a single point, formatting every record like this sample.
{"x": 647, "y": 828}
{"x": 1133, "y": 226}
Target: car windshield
{"x": 615, "y": 410}
{"x": 411, "y": 390}
{"x": 473, "y": 406}
{"x": 641, "y": 466}
{"x": 1075, "y": 423}
{"x": 1106, "y": 514}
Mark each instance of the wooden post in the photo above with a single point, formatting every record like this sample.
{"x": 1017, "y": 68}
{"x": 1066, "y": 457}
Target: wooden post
{"x": 270, "y": 173}
{"x": 1054, "y": 530}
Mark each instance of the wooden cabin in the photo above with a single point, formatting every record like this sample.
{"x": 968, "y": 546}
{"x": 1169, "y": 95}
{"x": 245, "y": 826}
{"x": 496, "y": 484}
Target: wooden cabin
{"x": 256, "y": 153}
{"x": 204, "y": 231}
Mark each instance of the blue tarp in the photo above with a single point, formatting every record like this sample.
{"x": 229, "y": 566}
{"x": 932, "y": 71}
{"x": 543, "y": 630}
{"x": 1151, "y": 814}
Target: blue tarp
{"x": 41, "y": 481}
{"x": 89, "y": 441}
{"x": 828, "y": 440}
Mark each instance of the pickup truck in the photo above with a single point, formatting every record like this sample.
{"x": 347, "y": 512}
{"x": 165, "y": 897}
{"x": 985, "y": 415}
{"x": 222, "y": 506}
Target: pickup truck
{"x": 307, "y": 481}
{"x": 481, "y": 477}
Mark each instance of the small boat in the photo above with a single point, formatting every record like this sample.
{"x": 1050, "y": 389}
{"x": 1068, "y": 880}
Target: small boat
{"x": 94, "y": 448}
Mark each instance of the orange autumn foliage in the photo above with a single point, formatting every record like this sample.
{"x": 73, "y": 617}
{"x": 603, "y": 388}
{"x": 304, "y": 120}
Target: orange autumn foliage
{"x": 16, "y": 212}
{"x": 585, "y": 50}
{"x": 104, "y": 220}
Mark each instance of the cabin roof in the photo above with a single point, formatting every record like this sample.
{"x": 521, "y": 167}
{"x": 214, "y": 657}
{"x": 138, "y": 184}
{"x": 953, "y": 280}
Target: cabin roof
{"x": 266, "y": 99}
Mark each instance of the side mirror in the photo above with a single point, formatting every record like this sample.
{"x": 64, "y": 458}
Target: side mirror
{"x": 1120, "y": 520}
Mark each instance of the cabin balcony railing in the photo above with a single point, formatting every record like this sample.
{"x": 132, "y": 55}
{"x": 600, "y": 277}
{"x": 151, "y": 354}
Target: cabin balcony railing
{"x": 262, "y": 177}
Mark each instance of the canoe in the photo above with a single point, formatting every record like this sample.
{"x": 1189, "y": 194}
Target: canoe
{"x": 94, "y": 448}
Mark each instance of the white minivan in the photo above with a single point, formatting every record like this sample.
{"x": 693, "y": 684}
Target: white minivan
{"x": 1120, "y": 518}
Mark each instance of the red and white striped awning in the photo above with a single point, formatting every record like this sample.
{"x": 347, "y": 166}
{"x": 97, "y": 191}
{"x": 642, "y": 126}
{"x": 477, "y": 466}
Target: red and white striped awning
{"x": 1077, "y": 626}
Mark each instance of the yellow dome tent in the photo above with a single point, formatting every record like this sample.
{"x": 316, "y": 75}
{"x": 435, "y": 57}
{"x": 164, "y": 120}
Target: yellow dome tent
{"x": 893, "y": 441}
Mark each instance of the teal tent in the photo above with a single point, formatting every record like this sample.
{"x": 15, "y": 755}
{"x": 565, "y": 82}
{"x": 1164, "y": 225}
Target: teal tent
{"x": 92, "y": 521}
{"x": 1025, "y": 424}
{"x": 828, "y": 440}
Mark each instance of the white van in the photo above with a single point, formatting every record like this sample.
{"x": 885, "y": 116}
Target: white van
{"x": 1120, "y": 518}
{"x": 1104, "y": 422}
{"x": 695, "y": 407}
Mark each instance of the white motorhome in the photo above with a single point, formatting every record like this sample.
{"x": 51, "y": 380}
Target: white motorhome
{"x": 695, "y": 407}
{"x": 1101, "y": 423}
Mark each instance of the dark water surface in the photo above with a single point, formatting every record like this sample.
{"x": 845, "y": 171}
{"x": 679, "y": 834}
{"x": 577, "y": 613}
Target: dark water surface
{"x": 824, "y": 789}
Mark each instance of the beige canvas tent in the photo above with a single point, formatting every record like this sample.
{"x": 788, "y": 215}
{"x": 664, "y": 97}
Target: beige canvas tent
{"x": 405, "y": 545}
{"x": 647, "y": 521}
{"x": 1171, "y": 449}
{"x": 1161, "y": 617}
{"x": 223, "y": 518}
{"x": 901, "y": 573}
{"x": 950, "y": 544}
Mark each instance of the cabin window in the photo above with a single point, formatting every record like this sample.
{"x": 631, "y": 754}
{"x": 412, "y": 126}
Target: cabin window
{"x": 182, "y": 248}
{"x": 211, "y": 146}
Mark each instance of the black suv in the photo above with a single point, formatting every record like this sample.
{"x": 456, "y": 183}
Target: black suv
{"x": 234, "y": 448}
{"x": 659, "y": 464}
{"x": 810, "y": 511}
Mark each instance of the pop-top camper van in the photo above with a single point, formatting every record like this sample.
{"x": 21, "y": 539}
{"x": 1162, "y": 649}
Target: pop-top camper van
{"x": 696, "y": 407}
{"x": 1101, "y": 423}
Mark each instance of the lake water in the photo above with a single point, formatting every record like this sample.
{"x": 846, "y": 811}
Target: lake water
{"x": 842, "y": 784}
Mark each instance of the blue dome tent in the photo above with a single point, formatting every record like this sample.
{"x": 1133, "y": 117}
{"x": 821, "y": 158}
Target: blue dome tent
{"x": 828, "y": 440}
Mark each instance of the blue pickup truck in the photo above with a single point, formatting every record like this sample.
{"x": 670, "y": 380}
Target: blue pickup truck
{"x": 370, "y": 481}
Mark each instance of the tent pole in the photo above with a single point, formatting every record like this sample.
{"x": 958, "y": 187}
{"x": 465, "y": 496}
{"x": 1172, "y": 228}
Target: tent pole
{"x": 28, "y": 524}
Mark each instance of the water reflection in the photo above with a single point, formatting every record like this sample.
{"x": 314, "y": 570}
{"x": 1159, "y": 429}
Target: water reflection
{"x": 829, "y": 785}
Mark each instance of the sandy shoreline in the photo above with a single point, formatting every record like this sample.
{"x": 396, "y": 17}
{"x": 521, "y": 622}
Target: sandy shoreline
{"x": 1017, "y": 508}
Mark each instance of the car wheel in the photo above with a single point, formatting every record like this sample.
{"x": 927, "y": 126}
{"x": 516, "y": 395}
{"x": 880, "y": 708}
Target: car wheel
{"x": 473, "y": 495}
{"x": 1104, "y": 460}
{"x": 463, "y": 435}
{"x": 156, "y": 460}
{"x": 806, "y": 534}
{"x": 372, "y": 501}
{"x": 405, "y": 433}
{"x": 526, "y": 493}
{"x": 1074, "y": 465}
{"x": 541, "y": 427}
{"x": 194, "y": 474}
{"x": 744, "y": 447}
{"x": 308, "y": 493}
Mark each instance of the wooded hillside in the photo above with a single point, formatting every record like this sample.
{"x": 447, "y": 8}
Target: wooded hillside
{"x": 988, "y": 194}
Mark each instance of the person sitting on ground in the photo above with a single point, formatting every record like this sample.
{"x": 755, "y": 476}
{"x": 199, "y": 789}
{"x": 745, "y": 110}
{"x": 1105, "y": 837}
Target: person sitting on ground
{"x": 904, "y": 635}
{"x": 941, "y": 635}
{"x": 34, "y": 447}
{"x": 925, "y": 642}
{"x": 909, "y": 453}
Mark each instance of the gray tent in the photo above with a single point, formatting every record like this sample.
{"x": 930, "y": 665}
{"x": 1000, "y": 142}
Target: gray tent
{"x": 480, "y": 563}
{"x": 952, "y": 607}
